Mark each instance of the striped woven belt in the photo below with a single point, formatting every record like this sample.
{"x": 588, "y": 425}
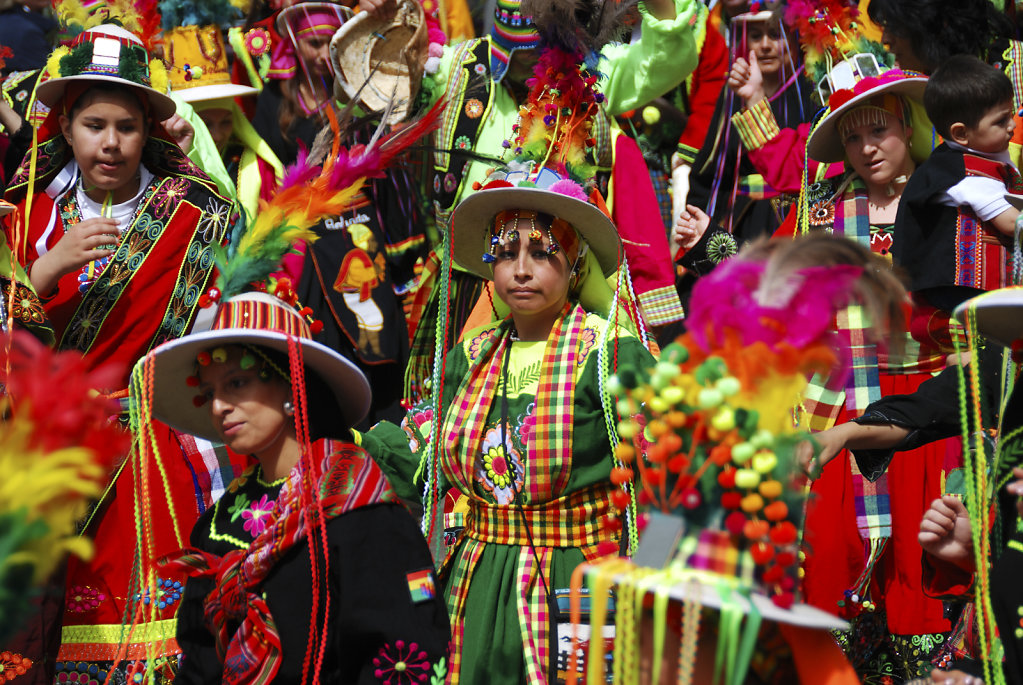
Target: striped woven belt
{"x": 570, "y": 521}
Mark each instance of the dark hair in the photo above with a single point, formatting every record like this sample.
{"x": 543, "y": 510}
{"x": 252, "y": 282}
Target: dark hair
{"x": 324, "y": 410}
{"x": 938, "y": 29}
{"x": 964, "y": 89}
{"x": 107, "y": 87}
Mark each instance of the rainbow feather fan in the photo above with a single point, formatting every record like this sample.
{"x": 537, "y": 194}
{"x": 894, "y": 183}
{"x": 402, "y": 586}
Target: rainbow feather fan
{"x": 307, "y": 195}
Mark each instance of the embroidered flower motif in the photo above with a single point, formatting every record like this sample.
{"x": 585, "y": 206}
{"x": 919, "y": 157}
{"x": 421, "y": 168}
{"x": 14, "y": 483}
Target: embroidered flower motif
{"x": 822, "y": 213}
{"x": 26, "y": 307}
{"x": 463, "y": 142}
{"x": 421, "y": 421}
{"x": 528, "y": 424}
{"x": 257, "y": 516}
{"x": 480, "y": 69}
{"x": 83, "y": 598}
{"x": 589, "y": 339}
{"x": 168, "y": 592}
{"x": 720, "y": 247}
{"x": 499, "y": 468}
{"x": 22, "y": 94}
{"x": 168, "y": 195}
{"x": 135, "y": 674}
{"x": 257, "y": 42}
{"x": 242, "y": 479}
{"x": 239, "y": 507}
{"x": 401, "y": 664}
{"x": 474, "y": 108}
{"x": 476, "y": 344}
{"x": 13, "y": 665}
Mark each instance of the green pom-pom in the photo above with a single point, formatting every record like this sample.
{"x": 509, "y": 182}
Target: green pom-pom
{"x": 74, "y": 63}
{"x": 675, "y": 353}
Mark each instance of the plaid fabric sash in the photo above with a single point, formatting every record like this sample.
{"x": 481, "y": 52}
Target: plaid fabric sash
{"x": 824, "y": 401}
{"x": 547, "y": 471}
{"x": 570, "y": 521}
{"x": 251, "y": 653}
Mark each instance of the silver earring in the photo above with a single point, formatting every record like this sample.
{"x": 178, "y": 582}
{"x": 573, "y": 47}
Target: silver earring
{"x": 289, "y": 408}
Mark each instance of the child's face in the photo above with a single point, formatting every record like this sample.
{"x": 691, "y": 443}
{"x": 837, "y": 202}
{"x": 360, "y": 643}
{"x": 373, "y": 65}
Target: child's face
{"x": 994, "y": 130}
{"x": 107, "y": 136}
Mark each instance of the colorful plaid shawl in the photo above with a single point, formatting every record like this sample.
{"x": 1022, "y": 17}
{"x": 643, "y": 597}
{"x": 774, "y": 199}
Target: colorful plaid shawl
{"x": 824, "y": 401}
{"x": 252, "y": 652}
{"x": 548, "y": 467}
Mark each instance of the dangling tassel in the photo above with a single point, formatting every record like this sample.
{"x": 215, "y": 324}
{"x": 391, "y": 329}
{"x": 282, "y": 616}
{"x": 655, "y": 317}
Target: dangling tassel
{"x": 857, "y": 597}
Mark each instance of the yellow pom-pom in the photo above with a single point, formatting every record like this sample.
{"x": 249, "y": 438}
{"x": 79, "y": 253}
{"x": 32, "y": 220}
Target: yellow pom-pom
{"x": 53, "y": 61}
{"x": 158, "y": 75}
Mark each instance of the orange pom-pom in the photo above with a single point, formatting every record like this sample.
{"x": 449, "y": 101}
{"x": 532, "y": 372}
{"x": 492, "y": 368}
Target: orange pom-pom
{"x": 755, "y": 530}
{"x": 776, "y": 511}
{"x": 620, "y": 476}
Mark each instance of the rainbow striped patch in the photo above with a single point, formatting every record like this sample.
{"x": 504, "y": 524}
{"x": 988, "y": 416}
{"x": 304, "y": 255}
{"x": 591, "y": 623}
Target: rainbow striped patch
{"x": 420, "y": 586}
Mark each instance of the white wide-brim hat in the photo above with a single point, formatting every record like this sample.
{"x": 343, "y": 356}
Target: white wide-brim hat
{"x": 472, "y": 218}
{"x": 107, "y": 41}
{"x": 825, "y": 144}
{"x": 250, "y": 319}
{"x": 999, "y": 314}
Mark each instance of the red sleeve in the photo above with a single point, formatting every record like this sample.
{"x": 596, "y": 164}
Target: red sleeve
{"x": 781, "y": 160}
{"x": 638, "y": 217}
{"x": 941, "y": 579}
{"x": 707, "y": 82}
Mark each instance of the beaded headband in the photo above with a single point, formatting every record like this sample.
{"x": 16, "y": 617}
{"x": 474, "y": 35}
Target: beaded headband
{"x": 560, "y": 234}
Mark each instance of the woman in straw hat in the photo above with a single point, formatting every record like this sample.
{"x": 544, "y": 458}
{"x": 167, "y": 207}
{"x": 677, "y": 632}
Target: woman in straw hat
{"x": 519, "y": 423}
{"x": 115, "y": 227}
{"x": 308, "y": 565}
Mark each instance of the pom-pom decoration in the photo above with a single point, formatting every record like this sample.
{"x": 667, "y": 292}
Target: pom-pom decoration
{"x": 699, "y": 442}
{"x": 556, "y": 121}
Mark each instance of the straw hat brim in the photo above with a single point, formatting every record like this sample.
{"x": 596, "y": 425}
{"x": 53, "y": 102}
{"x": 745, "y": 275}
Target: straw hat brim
{"x": 473, "y": 216}
{"x": 5, "y": 208}
{"x": 999, "y": 314}
{"x": 174, "y": 361}
{"x": 215, "y": 91}
{"x": 824, "y": 144}
{"x": 50, "y": 92}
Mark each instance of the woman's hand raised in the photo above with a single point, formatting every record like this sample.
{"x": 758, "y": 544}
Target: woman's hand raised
{"x": 746, "y": 81}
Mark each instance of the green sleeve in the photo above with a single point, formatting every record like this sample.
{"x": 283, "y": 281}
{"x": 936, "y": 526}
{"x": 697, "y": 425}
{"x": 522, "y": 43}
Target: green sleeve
{"x": 399, "y": 450}
{"x": 390, "y": 448}
{"x": 662, "y": 58}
